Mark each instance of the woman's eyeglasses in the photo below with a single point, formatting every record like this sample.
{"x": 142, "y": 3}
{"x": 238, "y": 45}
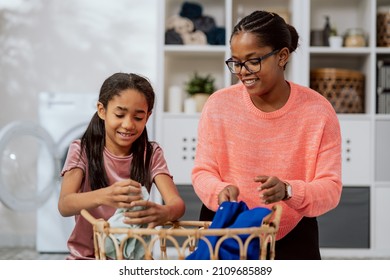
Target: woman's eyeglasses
{"x": 253, "y": 65}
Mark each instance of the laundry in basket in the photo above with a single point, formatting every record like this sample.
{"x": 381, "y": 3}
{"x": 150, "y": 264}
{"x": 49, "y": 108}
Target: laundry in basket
{"x": 133, "y": 249}
{"x": 232, "y": 215}
{"x": 171, "y": 233}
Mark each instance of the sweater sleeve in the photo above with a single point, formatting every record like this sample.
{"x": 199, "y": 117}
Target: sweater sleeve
{"x": 205, "y": 174}
{"x": 321, "y": 194}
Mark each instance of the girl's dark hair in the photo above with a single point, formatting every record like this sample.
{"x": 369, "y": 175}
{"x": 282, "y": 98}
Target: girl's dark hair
{"x": 271, "y": 30}
{"x": 93, "y": 140}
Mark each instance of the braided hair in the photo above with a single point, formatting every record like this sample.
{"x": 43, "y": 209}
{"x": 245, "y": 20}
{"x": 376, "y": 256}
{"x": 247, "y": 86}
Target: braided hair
{"x": 270, "y": 29}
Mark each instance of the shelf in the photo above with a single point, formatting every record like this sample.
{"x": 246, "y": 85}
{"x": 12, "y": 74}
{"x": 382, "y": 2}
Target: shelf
{"x": 383, "y": 184}
{"x": 382, "y": 117}
{"x": 193, "y": 49}
{"x": 382, "y": 50}
{"x": 340, "y": 51}
{"x": 354, "y": 117}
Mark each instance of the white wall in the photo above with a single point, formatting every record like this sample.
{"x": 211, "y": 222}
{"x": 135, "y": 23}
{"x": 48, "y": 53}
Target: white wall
{"x": 66, "y": 46}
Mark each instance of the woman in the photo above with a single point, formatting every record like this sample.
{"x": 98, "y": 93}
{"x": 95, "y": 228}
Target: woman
{"x": 266, "y": 140}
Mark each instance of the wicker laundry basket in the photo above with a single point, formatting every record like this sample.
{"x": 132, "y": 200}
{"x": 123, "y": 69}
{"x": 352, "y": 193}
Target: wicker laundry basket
{"x": 383, "y": 27}
{"x": 344, "y": 88}
{"x": 189, "y": 231}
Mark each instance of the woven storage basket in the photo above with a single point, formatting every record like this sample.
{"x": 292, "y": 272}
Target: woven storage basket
{"x": 173, "y": 233}
{"x": 342, "y": 87}
{"x": 383, "y": 27}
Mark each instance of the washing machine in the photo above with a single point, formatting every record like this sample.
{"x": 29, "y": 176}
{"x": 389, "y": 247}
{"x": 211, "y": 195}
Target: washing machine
{"x": 65, "y": 116}
{"x": 32, "y": 156}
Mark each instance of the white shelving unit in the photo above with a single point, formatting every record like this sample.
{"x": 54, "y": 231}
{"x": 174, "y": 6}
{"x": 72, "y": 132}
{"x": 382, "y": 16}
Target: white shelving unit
{"x": 366, "y": 136}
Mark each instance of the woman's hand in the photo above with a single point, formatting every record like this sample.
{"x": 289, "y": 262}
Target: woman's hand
{"x": 229, "y": 193}
{"x": 272, "y": 189}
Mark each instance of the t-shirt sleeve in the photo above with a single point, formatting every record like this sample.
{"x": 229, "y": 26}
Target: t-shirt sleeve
{"x": 158, "y": 162}
{"x": 73, "y": 158}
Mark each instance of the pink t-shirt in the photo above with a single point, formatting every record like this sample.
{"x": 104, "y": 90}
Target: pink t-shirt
{"x": 300, "y": 143}
{"x": 80, "y": 243}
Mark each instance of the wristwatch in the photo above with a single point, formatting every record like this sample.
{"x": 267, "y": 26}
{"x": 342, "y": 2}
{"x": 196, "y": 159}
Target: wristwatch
{"x": 288, "y": 193}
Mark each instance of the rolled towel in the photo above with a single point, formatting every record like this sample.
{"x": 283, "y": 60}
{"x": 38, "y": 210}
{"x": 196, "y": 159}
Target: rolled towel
{"x": 216, "y": 36}
{"x": 194, "y": 38}
{"x": 173, "y": 38}
{"x": 191, "y": 10}
{"x": 204, "y": 23}
{"x": 180, "y": 24}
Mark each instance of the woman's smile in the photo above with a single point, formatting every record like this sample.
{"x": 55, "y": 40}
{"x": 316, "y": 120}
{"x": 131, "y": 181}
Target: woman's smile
{"x": 249, "y": 82}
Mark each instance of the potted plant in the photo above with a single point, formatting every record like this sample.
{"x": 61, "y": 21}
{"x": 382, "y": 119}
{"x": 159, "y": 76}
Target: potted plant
{"x": 335, "y": 41}
{"x": 199, "y": 87}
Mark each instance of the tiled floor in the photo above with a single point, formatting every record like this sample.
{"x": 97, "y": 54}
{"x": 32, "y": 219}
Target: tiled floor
{"x": 28, "y": 254}
{"x": 32, "y": 254}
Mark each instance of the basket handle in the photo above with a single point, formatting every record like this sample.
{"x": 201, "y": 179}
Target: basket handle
{"x": 91, "y": 219}
{"x": 273, "y": 218}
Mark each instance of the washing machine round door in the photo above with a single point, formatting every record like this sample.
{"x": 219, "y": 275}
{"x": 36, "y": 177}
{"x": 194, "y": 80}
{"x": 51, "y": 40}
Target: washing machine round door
{"x": 29, "y": 166}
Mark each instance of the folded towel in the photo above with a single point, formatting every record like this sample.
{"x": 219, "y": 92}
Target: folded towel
{"x": 194, "y": 38}
{"x": 173, "y": 38}
{"x": 232, "y": 215}
{"x": 204, "y": 23}
{"x": 180, "y": 24}
{"x": 191, "y": 10}
{"x": 216, "y": 36}
{"x": 133, "y": 249}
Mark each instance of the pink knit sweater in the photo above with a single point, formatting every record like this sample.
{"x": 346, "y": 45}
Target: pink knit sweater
{"x": 299, "y": 143}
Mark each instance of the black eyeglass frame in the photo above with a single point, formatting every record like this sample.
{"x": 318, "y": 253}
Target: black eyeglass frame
{"x": 258, "y": 59}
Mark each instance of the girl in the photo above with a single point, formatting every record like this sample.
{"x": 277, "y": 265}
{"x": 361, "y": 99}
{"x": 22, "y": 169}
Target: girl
{"x": 105, "y": 170}
{"x": 266, "y": 140}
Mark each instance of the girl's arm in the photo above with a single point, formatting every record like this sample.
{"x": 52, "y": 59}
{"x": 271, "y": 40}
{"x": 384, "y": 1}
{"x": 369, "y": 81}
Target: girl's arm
{"x": 72, "y": 200}
{"x": 171, "y": 197}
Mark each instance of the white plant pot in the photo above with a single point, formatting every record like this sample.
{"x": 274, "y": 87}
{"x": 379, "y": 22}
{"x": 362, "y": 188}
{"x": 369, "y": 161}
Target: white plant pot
{"x": 335, "y": 41}
{"x": 189, "y": 106}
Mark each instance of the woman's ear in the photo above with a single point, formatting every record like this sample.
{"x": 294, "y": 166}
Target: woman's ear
{"x": 284, "y": 54}
{"x": 101, "y": 111}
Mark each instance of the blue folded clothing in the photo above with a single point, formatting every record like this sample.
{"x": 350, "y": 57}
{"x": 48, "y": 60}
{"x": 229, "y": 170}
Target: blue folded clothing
{"x": 232, "y": 215}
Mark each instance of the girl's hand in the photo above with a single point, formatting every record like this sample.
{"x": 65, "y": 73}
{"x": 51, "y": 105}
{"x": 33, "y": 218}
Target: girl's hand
{"x": 229, "y": 193}
{"x": 272, "y": 189}
{"x": 153, "y": 214}
{"x": 122, "y": 194}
